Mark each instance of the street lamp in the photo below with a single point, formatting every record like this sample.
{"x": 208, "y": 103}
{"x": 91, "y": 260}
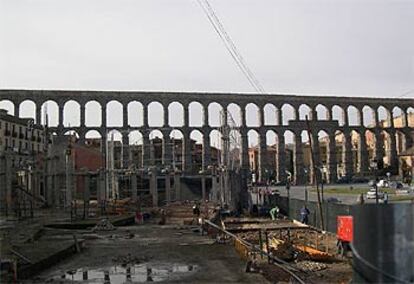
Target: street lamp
{"x": 374, "y": 166}
{"x": 288, "y": 180}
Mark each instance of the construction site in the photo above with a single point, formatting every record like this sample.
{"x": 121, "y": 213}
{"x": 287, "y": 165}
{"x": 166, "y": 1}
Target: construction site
{"x": 131, "y": 153}
{"x": 129, "y": 225}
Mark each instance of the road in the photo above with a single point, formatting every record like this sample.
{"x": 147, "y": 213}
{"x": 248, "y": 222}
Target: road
{"x": 298, "y": 192}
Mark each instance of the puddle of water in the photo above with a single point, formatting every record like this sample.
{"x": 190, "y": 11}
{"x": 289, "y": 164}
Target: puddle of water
{"x": 139, "y": 273}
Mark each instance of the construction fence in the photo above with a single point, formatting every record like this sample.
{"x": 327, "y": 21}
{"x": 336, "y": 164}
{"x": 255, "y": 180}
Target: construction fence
{"x": 330, "y": 211}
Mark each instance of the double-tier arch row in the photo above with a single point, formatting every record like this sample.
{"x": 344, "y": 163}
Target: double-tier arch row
{"x": 346, "y": 123}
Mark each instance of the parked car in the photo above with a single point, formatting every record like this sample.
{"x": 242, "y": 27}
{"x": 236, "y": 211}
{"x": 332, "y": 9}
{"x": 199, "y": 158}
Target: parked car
{"x": 371, "y": 194}
{"x": 344, "y": 179}
{"x": 357, "y": 179}
{"x": 333, "y": 200}
{"x": 382, "y": 183}
{"x": 396, "y": 185}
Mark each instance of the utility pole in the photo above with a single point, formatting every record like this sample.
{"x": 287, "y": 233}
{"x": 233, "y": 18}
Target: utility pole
{"x": 315, "y": 171}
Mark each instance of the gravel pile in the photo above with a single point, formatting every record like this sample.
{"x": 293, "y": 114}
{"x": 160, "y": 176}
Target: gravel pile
{"x": 104, "y": 225}
{"x": 311, "y": 266}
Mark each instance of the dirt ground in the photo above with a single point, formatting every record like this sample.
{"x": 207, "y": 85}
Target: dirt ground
{"x": 153, "y": 254}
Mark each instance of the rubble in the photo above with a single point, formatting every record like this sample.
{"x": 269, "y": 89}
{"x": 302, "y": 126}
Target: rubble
{"x": 311, "y": 266}
{"x": 104, "y": 225}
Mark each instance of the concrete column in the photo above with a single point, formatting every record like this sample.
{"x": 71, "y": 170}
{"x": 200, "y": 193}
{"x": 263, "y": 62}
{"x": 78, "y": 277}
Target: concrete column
{"x": 9, "y": 169}
{"x": 298, "y": 166}
{"x": 281, "y": 158}
{"x": 363, "y": 155}
{"x": 262, "y": 157}
{"x": 154, "y": 189}
{"x": 243, "y": 115}
{"x": 245, "y": 149}
{"x": 177, "y": 186}
{"x": 100, "y": 190}
{"x": 82, "y": 114}
{"x": 134, "y": 193}
{"x": 167, "y": 188}
{"x": 332, "y": 161}
{"x": 187, "y": 153}
{"x": 206, "y": 151}
{"x": 348, "y": 158}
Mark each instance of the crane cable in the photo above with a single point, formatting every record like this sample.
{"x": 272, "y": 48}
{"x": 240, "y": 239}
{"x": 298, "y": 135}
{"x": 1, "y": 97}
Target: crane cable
{"x": 230, "y": 46}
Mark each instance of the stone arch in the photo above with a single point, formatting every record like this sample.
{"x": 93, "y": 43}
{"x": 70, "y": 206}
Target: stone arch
{"x": 410, "y": 116}
{"x": 371, "y": 145}
{"x": 197, "y": 157}
{"x": 368, "y": 115}
{"x": 93, "y": 139}
{"x": 235, "y": 151}
{"x": 354, "y": 116}
{"x": 215, "y": 114}
{"x": 27, "y": 109}
{"x": 384, "y": 117}
{"x": 72, "y": 135}
{"x": 215, "y": 144}
{"x": 400, "y": 141}
{"x": 71, "y": 114}
{"x": 338, "y": 114}
{"x": 305, "y": 110}
{"x": 7, "y": 105}
{"x": 135, "y": 148}
{"x": 272, "y": 141}
{"x": 114, "y": 114}
{"x": 176, "y": 114}
{"x": 340, "y": 151}
{"x": 288, "y": 113}
{"x": 234, "y": 114}
{"x": 322, "y": 112}
{"x": 177, "y": 150}
{"x": 253, "y": 138}
{"x": 356, "y": 150}
{"x": 386, "y": 154}
{"x": 115, "y": 149}
{"x": 156, "y": 147}
{"x": 155, "y": 114}
{"x": 252, "y": 112}
{"x": 290, "y": 146}
{"x": 271, "y": 114}
{"x": 398, "y": 116}
{"x": 196, "y": 115}
{"x": 93, "y": 114}
{"x": 323, "y": 142}
{"x": 135, "y": 114}
{"x": 52, "y": 109}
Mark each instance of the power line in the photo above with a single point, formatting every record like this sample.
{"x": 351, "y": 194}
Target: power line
{"x": 230, "y": 46}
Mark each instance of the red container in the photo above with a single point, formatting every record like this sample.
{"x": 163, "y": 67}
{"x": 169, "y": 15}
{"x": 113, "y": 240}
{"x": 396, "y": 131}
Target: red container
{"x": 344, "y": 229}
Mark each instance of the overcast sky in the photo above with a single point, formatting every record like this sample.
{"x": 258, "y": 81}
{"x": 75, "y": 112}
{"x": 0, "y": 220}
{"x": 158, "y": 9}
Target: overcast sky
{"x": 340, "y": 47}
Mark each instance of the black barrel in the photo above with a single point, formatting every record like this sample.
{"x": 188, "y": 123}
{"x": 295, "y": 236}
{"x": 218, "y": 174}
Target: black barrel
{"x": 383, "y": 243}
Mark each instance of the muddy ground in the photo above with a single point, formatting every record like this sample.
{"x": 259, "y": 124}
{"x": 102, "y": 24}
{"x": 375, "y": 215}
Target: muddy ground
{"x": 151, "y": 253}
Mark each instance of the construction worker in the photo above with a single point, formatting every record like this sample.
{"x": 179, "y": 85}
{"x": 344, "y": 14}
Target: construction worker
{"x": 274, "y": 213}
{"x": 304, "y": 215}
